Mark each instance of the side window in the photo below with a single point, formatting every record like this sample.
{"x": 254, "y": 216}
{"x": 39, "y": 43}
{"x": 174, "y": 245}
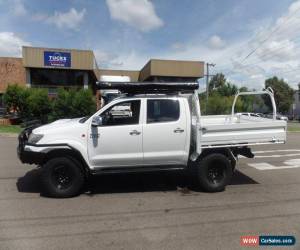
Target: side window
{"x": 162, "y": 110}
{"x": 124, "y": 113}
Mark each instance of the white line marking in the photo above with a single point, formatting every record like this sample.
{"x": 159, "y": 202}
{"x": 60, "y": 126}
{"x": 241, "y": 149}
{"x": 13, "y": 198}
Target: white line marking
{"x": 257, "y": 156}
{"x": 279, "y": 150}
{"x": 293, "y": 163}
{"x": 271, "y": 156}
{"x": 275, "y": 156}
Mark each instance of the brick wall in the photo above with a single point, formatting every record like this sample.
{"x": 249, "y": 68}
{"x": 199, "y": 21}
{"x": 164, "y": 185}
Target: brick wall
{"x": 11, "y": 71}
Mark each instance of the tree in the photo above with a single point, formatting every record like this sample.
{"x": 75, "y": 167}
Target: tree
{"x": 83, "y": 103}
{"x": 216, "y": 81}
{"x": 283, "y": 93}
{"x": 38, "y": 105}
{"x": 62, "y": 104}
{"x": 219, "y": 105}
{"x": 15, "y": 99}
{"x": 227, "y": 89}
{"x": 221, "y": 96}
{"x": 73, "y": 103}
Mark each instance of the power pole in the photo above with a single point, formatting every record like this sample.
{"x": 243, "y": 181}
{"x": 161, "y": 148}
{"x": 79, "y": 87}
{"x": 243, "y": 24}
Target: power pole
{"x": 207, "y": 80}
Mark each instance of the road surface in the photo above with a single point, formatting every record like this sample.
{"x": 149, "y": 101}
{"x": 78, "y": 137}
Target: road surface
{"x": 153, "y": 211}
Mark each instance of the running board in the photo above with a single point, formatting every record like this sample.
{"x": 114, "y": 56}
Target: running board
{"x": 143, "y": 169}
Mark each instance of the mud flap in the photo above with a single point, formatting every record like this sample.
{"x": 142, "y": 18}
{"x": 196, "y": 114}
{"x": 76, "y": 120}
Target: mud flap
{"x": 244, "y": 151}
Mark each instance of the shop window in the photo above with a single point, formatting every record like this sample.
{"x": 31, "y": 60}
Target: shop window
{"x": 56, "y": 77}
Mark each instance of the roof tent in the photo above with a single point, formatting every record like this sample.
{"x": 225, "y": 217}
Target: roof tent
{"x": 148, "y": 87}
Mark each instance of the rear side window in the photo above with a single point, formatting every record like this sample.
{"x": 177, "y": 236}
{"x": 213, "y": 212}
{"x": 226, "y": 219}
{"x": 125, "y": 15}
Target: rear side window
{"x": 162, "y": 110}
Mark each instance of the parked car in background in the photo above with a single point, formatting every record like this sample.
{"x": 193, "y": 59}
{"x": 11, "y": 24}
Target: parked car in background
{"x": 278, "y": 117}
{"x": 2, "y": 112}
{"x": 109, "y": 95}
{"x": 282, "y": 117}
{"x": 251, "y": 114}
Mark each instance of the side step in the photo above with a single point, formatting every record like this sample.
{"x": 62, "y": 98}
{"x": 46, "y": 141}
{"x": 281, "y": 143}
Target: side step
{"x": 143, "y": 169}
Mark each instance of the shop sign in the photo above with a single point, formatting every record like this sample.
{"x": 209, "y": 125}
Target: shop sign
{"x": 57, "y": 59}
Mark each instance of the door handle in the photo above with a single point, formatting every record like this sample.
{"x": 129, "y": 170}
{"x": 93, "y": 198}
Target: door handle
{"x": 178, "y": 130}
{"x": 134, "y": 132}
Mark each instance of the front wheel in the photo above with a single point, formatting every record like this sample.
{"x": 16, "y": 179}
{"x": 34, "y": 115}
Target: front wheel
{"x": 214, "y": 172}
{"x": 62, "y": 177}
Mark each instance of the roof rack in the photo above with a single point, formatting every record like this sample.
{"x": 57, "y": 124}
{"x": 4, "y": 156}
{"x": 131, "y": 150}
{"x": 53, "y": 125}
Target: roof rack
{"x": 148, "y": 87}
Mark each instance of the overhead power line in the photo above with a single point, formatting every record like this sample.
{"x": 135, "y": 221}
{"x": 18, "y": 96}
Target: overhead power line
{"x": 284, "y": 72}
{"x": 232, "y": 71}
{"x": 270, "y": 54}
{"x": 270, "y": 35}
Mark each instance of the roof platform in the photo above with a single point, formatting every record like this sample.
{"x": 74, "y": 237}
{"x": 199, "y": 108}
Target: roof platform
{"x": 148, "y": 87}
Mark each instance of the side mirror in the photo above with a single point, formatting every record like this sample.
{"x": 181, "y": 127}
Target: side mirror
{"x": 97, "y": 121}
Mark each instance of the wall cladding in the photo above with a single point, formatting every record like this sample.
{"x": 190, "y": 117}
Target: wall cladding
{"x": 11, "y": 71}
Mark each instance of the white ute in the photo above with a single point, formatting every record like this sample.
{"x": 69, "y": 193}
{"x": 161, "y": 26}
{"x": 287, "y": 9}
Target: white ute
{"x": 162, "y": 129}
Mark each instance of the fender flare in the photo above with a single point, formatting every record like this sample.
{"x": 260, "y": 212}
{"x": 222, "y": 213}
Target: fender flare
{"x": 63, "y": 150}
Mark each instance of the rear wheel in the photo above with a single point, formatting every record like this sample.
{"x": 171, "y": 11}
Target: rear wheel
{"x": 214, "y": 172}
{"x": 62, "y": 177}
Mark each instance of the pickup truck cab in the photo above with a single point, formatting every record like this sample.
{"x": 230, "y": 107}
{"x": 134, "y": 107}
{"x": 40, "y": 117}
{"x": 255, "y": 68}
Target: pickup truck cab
{"x": 149, "y": 132}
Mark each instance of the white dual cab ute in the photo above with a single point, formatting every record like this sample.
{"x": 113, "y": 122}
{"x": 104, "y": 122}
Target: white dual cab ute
{"x": 161, "y": 128}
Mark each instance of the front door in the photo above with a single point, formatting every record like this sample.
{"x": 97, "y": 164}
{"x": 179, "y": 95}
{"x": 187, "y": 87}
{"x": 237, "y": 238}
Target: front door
{"x": 118, "y": 141}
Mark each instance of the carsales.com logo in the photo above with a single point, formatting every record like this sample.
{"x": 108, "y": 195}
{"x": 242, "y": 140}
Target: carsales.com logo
{"x": 267, "y": 240}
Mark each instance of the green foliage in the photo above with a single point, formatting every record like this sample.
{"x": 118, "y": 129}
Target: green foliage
{"x": 221, "y": 96}
{"x": 216, "y": 81}
{"x": 283, "y": 93}
{"x": 219, "y": 84}
{"x": 227, "y": 89}
{"x": 294, "y": 127}
{"x": 62, "y": 104}
{"x": 83, "y": 103}
{"x": 34, "y": 103}
{"x": 11, "y": 129}
{"x": 73, "y": 103}
{"x": 38, "y": 105}
{"x": 246, "y": 101}
{"x": 218, "y": 104}
{"x": 15, "y": 98}
{"x": 28, "y": 103}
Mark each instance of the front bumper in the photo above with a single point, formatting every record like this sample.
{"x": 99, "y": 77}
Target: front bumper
{"x": 25, "y": 155}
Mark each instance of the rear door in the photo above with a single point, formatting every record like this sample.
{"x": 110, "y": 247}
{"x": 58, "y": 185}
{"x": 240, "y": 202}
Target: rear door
{"x": 164, "y": 132}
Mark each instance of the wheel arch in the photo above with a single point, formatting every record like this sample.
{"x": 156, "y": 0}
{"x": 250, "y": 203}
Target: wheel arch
{"x": 224, "y": 151}
{"x": 70, "y": 153}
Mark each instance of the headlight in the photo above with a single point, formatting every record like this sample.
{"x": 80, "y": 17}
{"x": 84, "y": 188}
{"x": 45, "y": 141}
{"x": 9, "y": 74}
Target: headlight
{"x": 34, "y": 138}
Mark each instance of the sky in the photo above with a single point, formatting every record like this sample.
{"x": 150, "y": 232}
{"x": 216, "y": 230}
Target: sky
{"x": 247, "y": 40}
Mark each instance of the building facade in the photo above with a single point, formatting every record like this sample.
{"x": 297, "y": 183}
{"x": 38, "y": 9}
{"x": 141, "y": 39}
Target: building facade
{"x": 52, "y": 68}
{"x": 11, "y": 71}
